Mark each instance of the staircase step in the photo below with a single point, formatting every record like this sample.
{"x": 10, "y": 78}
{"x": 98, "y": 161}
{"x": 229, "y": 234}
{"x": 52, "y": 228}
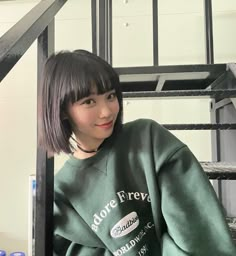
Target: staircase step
{"x": 222, "y": 93}
{"x": 222, "y": 126}
{"x": 220, "y": 170}
{"x": 232, "y": 226}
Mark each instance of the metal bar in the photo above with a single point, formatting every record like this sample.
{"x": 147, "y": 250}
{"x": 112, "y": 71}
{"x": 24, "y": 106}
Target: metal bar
{"x": 226, "y": 126}
{"x": 94, "y": 25}
{"x": 101, "y": 15}
{"x": 232, "y": 68}
{"x": 15, "y": 42}
{"x": 102, "y": 28}
{"x": 219, "y": 82}
{"x": 216, "y": 69}
{"x": 155, "y": 32}
{"x": 220, "y": 104}
{"x": 209, "y": 32}
{"x": 45, "y": 166}
{"x": 218, "y": 176}
{"x": 218, "y": 157}
{"x": 44, "y": 200}
{"x": 109, "y": 32}
{"x": 181, "y": 93}
{"x": 220, "y": 170}
{"x": 160, "y": 84}
{"x": 216, "y": 145}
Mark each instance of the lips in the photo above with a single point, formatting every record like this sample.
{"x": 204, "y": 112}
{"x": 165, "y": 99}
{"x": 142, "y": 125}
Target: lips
{"x": 106, "y": 125}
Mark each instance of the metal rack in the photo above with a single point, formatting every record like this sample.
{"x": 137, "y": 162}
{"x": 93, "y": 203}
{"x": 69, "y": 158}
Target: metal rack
{"x": 215, "y": 81}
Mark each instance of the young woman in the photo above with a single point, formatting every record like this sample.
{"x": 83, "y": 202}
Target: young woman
{"x": 126, "y": 189}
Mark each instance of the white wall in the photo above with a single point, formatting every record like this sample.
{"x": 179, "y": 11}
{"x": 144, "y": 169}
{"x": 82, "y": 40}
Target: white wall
{"x": 181, "y": 41}
{"x": 17, "y": 136}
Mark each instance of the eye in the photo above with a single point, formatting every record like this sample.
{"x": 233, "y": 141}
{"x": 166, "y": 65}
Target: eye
{"x": 88, "y": 102}
{"x": 112, "y": 95}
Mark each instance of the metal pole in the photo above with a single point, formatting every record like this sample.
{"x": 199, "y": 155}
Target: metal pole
{"x": 45, "y": 166}
{"x": 109, "y": 31}
{"x": 102, "y": 28}
{"x": 216, "y": 145}
{"x": 94, "y": 25}
{"x": 214, "y": 116}
{"x": 209, "y": 32}
{"x": 155, "y": 32}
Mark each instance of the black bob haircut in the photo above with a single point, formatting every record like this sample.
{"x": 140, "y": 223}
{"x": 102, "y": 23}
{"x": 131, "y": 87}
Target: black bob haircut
{"x": 67, "y": 77}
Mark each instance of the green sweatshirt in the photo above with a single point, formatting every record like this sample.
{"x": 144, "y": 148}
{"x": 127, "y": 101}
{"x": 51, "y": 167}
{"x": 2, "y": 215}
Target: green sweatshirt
{"x": 143, "y": 193}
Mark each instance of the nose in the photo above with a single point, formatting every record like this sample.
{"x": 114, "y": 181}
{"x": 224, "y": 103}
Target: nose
{"x": 105, "y": 110}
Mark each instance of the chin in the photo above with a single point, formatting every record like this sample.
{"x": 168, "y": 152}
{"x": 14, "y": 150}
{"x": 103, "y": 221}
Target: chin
{"x": 105, "y": 136}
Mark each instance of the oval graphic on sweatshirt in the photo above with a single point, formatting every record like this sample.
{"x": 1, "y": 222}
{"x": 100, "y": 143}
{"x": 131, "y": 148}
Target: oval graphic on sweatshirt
{"x": 125, "y": 225}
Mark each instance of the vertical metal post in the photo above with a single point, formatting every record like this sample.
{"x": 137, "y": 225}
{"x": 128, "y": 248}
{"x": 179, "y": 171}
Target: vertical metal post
{"x": 94, "y": 25}
{"x": 216, "y": 145}
{"x": 209, "y": 32}
{"x": 215, "y": 135}
{"x": 102, "y": 28}
{"x": 45, "y": 166}
{"x": 109, "y": 31}
{"x": 155, "y": 32}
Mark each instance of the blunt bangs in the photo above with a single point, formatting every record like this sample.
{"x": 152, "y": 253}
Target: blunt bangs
{"x": 83, "y": 74}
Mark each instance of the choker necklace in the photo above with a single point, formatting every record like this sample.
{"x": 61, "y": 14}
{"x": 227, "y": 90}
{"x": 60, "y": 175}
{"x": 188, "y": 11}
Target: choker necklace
{"x": 87, "y": 151}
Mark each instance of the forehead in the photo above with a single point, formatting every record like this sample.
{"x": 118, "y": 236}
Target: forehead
{"x": 93, "y": 90}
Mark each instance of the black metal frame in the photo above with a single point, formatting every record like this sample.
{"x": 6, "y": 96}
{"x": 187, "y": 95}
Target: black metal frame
{"x": 215, "y": 126}
{"x": 45, "y": 164}
{"x": 155, "y": 32}
{"x": 209, "y": 32}
{"x": 219, "y": 171}
{"x": 38, "y": 23}
{"x": 15, "y": 42}
{"x": 101, "y": 14}
{"x": 216, "y": 81}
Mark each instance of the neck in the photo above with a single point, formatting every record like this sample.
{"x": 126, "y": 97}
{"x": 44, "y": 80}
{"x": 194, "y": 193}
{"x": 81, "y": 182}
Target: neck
{"x": 81, "y": 148}
{"x": 85, "y": 150}
{"x": 82, "y": 155}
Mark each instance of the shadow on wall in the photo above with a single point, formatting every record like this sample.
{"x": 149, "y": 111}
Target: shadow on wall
{"x": 9, "y": 243}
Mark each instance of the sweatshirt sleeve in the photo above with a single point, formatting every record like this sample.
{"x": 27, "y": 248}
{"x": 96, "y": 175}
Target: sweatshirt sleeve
{"x": 194, "y": 218}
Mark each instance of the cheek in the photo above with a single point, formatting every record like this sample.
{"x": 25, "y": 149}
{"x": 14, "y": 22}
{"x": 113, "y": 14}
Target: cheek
{"x": 116, "y": 107}
{"x": 80, "y": 118}
{"x": 85, "y": 117}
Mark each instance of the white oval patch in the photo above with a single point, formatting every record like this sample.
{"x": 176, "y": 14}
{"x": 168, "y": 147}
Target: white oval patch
{"x": 125, "y": 225}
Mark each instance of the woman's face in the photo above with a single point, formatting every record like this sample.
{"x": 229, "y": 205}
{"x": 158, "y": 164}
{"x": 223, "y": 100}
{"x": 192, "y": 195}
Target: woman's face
{"x": 93, "y": 118}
